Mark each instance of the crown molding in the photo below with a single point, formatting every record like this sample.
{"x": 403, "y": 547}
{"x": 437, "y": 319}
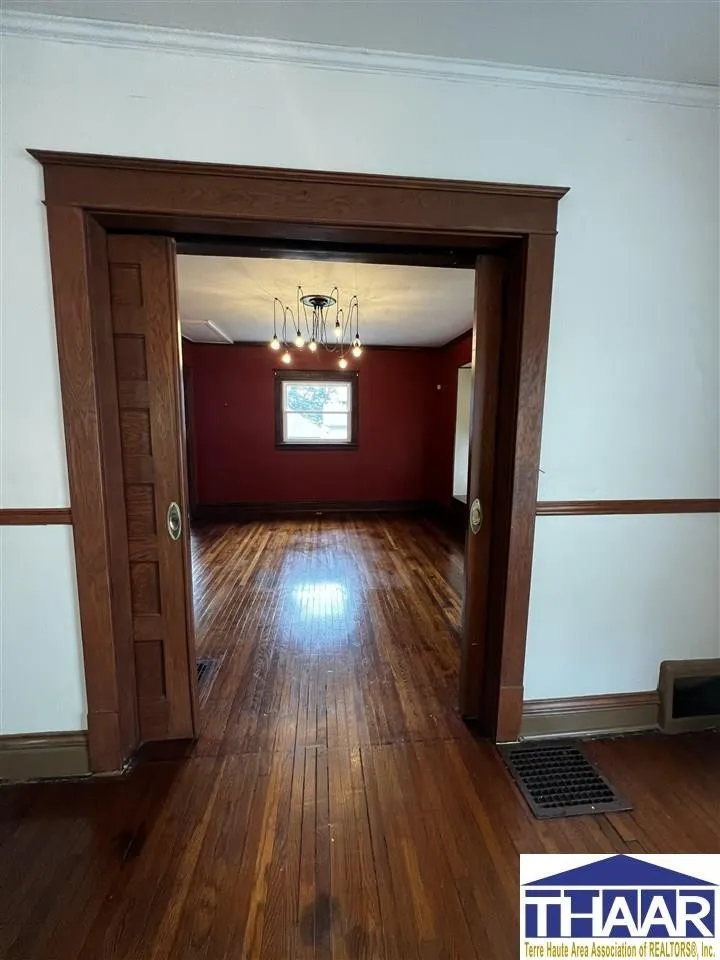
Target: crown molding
{"x": 170, "y": 40}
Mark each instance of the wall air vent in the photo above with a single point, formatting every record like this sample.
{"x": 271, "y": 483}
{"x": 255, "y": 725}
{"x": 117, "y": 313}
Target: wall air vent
{"x": 689, "y": 695}
{"x": 203, "y": 331}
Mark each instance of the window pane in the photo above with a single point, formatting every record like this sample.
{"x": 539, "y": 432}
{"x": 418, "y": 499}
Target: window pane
{"x": 316, "y": 397}
{"x": 317, "y": 427}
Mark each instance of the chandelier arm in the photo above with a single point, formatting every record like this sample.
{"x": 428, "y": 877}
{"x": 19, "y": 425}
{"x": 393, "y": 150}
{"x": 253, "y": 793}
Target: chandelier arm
{"x": 288, "y": 310}
{"x": 338, "y": 345}
{"x": 300, "y": 301}
{"x": 339, "y": 315}
{"x": 276, "y": 301}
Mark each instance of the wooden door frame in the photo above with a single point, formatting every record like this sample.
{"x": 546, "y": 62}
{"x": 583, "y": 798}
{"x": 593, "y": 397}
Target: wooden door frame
{"x": 87, "y": 194}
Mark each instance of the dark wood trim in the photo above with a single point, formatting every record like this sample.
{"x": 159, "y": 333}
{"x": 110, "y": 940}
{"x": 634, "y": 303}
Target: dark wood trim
{"x": 577, "y": 716}
{"x": 113, "y": 472}
{"x": 523, "y": 368}
{"x": 242, "y": 511}
{"x": 477, "y": 662}
{"x": 587, "y": 508}
{"x": 408, "y": 238}
{"x": 88, "y": 456}
{"x": 462, "y": 258}
{"x": 288, "y": 206}
{"x": 134, "y": 165}
{"x": 564, "y": 705}
{"x": 34, "y": 516}
{"x": 302, "y": 376}
{"x": 397, "y": 346}
{"x": 366, "y": 346}
{"x": 324, "y": 207}
{"x": 38, "y": 756}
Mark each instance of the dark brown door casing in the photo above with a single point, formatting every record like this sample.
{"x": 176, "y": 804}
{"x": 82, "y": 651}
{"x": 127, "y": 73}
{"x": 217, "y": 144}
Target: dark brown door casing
{"x": 87, "y": 195}
{"x": 147, "y": 363}
{"x": 489, "y": 278}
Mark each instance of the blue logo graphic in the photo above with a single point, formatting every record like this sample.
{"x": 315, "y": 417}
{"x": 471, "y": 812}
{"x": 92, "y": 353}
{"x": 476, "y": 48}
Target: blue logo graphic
{"x": 619, "y": 897}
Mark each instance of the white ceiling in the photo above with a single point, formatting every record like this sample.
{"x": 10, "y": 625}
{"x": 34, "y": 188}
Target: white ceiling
{"x": 672, "y": 40}
{"x": 399, "y": 305}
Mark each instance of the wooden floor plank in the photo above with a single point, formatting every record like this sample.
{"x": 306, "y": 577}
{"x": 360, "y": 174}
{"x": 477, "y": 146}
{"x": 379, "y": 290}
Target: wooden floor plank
{"x": 335, "y": 806}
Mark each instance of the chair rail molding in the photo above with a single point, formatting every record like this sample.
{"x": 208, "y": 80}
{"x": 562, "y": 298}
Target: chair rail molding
{"x": 34, "y": 516}
{"x": 587, "y": 508}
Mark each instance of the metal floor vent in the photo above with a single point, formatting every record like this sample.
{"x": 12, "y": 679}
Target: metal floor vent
{"x": 206, "y": 667}
{"x": 557, "y": 780}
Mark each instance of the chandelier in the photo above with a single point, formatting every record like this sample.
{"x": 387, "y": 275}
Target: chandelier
{"x": 318, "y": 323}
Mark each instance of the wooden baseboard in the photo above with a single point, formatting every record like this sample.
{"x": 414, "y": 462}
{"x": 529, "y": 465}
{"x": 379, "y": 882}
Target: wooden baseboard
{"x": 243, "y": 511}
{"x": 39, "y": 756}
{"x": 582, "y": 716}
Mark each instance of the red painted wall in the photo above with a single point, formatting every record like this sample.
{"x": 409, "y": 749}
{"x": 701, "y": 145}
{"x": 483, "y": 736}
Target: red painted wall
{"x": 233, "y": 413}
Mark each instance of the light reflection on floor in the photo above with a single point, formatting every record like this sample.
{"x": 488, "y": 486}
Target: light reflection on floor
{"x": 323, "y": 615}
{"x": 322, "y": 587}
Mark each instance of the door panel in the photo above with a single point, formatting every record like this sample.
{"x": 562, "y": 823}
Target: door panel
{"x": 146, "y": 344}
{"x": 476, "y": 659}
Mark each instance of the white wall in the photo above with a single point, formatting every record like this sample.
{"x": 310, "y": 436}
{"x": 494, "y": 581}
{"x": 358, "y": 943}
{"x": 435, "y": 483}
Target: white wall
{"x": 632, "y": 398}
{"x": 41, "y": 669}
{"x": 461, "y": 462}
{"x": 613, "y": 596}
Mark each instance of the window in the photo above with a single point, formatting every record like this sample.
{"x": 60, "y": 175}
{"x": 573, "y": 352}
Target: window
{"x": 315, "y": 409}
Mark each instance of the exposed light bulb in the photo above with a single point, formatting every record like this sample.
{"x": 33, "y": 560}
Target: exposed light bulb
{"x": 299, "y": 341}
{"x": 338, "y": 331}
{"x": 312, "y": 346}
{"x": 286, "y": 358}
{"x": 275, "y": 343}
{"x": 342, "y": 363}
{"x": 356, "y": 347}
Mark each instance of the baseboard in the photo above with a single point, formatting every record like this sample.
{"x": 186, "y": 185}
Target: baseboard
{"x": 38, "y": 756}
{"x": 243, "y": 511}
{"x": 582, "y": 716}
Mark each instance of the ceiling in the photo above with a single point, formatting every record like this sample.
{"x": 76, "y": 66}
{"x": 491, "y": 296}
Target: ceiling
{"x": 399, "y": 305}
{"x": 672, "y": 40}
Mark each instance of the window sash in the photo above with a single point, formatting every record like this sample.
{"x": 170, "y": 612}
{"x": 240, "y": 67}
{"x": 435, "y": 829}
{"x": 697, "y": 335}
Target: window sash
{"x": 309, "y": 438}
{"x": 337, "y": 407}
{"x": 333, "y": 411}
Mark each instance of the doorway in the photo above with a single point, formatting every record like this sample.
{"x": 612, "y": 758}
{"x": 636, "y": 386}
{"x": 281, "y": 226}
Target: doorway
{"x": 463, "y": 418}
{"x": 510, "y": 233}
{"x": 320, "y": 541}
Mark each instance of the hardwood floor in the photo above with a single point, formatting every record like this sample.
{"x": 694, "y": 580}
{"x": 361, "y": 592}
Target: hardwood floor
{"x": 335, "y": 806}
{"x": 331, "y": 632}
